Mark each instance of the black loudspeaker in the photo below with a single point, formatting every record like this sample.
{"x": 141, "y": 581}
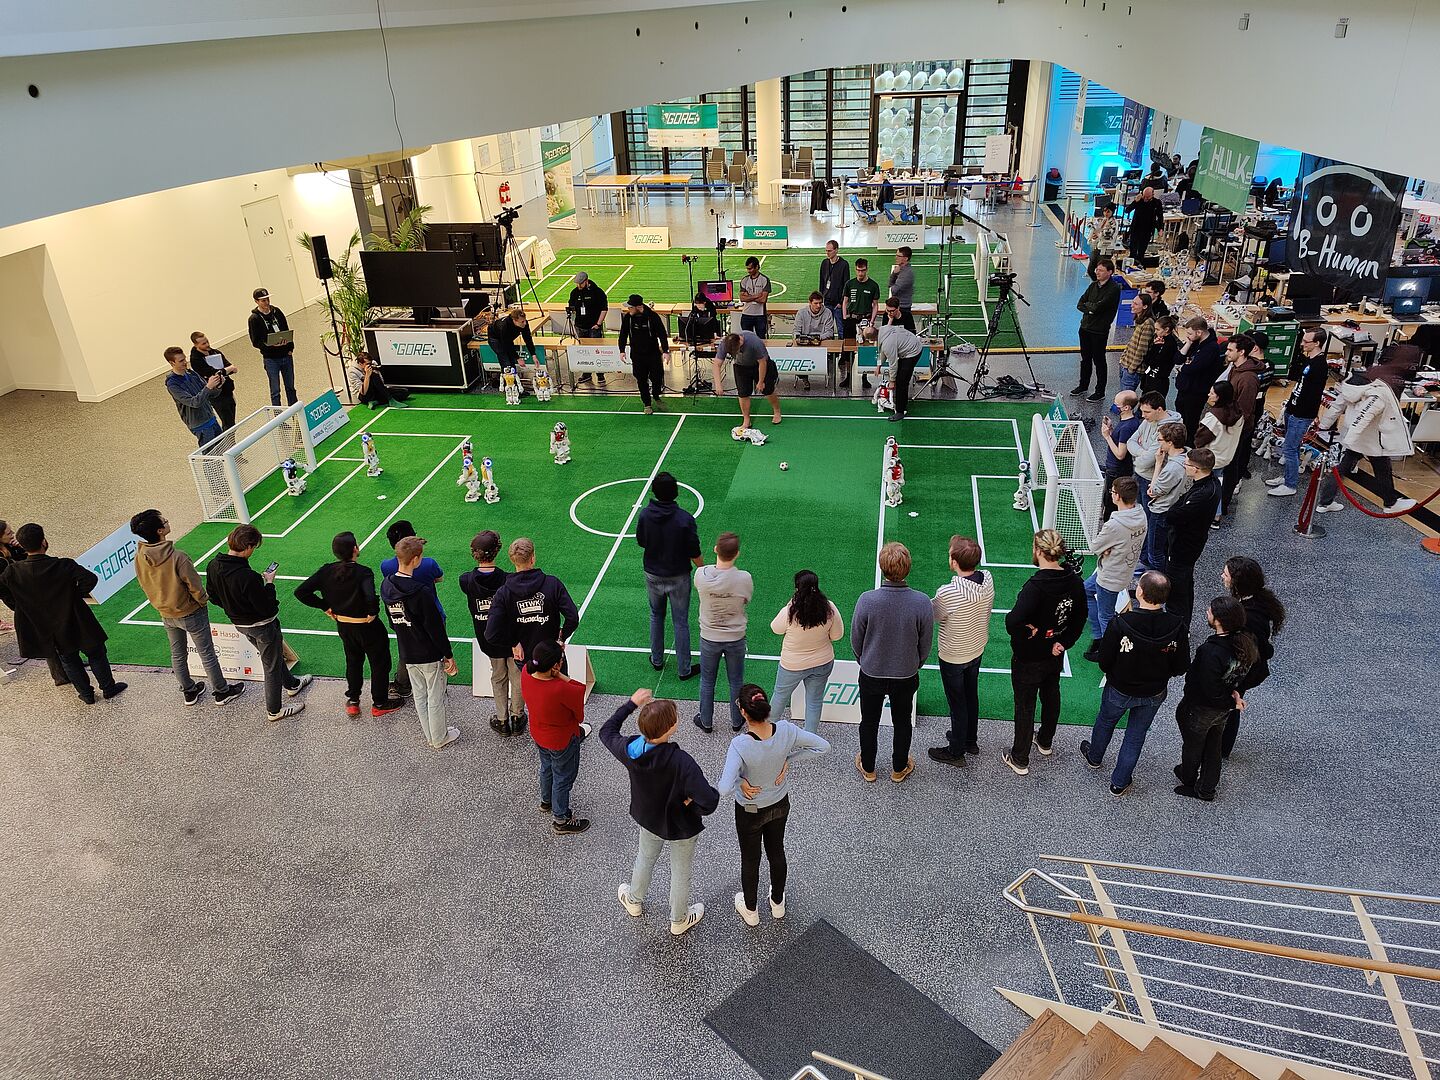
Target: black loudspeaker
{"x": 320, "y": 250}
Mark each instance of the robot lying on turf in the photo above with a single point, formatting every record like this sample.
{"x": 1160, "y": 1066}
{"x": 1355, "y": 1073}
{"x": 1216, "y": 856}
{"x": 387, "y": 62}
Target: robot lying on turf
{"x": 893, "y": 473}
{"x": 749, "y": 434}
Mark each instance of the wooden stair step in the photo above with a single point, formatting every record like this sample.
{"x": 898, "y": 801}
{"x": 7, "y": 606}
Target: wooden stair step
{"x": 1102, "y": 1055}
{"x": 1038, "y": 1052}
{"x": 1161, "y": 1061}
{"x": 1222, "y": 1068}
{"x": 1290, "y": 1074}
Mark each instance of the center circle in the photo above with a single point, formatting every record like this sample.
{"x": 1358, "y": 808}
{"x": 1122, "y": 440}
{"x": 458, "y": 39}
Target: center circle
{"x": 644, "y": 480}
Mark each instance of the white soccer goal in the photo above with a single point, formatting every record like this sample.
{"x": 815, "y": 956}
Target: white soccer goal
{"x": 229, "y": 466}
{"x": 1063, "y": 464}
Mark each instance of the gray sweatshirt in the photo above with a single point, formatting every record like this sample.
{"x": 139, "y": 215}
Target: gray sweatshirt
{"x": 1146, "y": 440}
{"x": 1171, "y": 483}
{"x": 723, "y": 596}
{"x": 892, "y": 631}
{"x": 759, "y": 762}
{"x": 1119, "y": 543}
{"x": 821, "y": 326}
{"x": 902, "y": 284}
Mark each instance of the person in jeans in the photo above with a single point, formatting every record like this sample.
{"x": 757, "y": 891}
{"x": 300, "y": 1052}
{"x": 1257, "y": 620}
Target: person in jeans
{"x": 194, "y": 396}
{"x": 811, "y": 625}
{"x": 173, "y": 586}
{"x": 530, "y": 607}
{"x": 1132, "y": 359}
{"x": 891, "y": 633}
{"x": 557, "y": 724}
{"x": 1308, "y": 372}
{"x": 279, "y": 360}
{"x": 249, "y": 602}
{"x": 1098, "y": 306}
{"x": 834, "y": 274}
{"x": 1142, "y": 650}
{"x": 1212, "y": 692}
{"x": 480, "y": 586}
{"x": 419, "y": 627}
{"x": 1118, "y": 546}
{"x": 668, "y": 797}
{"x": 962, "y": 609}
{"x": 756, "y": 774}
{"x": 724, "y": 592}
{"x": 1116, "y": 430}
{"x": 1046, "y": 620}
{"x": 206, "y": 361}
{"x": 1169, "y": 486}
{"x": 428, "y": 572}
{"x": 1143, "y": 449}
{"x": 345, "y": 591}
{"x": 48, "y": 596}
{"x": 667, "y": 535}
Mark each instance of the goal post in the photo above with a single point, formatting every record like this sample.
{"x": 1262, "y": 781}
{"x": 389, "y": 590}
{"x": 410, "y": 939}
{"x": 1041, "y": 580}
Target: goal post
{"x": 228, "y": 467}
{"x": 1063, "y": 465}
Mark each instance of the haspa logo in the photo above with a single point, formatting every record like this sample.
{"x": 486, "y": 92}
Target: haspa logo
{"x": 412, "y": 348}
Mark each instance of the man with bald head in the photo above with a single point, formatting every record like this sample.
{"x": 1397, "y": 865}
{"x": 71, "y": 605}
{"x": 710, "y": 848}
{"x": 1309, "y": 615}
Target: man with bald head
{"x": 1146, "y": 217}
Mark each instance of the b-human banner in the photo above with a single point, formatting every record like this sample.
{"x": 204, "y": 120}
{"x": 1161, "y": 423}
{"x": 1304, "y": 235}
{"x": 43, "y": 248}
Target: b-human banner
{"x": 1343, "y": 224}
{"x": 1227, "y": 166}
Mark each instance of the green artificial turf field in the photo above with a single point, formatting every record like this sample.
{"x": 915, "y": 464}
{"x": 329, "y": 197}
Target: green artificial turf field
{"x": 824, "y": 513}
{"x": 661, "y": 278}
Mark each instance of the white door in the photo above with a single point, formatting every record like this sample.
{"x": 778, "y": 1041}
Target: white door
{"x": 274, "y": 259}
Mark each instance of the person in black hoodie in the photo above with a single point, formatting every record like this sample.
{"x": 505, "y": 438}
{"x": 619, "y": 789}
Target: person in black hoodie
{"x": 529, "y": 607}
{"x": 249, "y": 602}
{"x": 1212, "y": 691}
{"x": 1187, "y": 527}
{"x": 345, "y": 591}
{"x": 667, "y": 533}
{"x": 279, "y": 360}
{"x": 206, "y": 361}
{"x": 27, "y": 638}
{"x": 480, "y": 586}
{"x": 668, "y": 796}
{"x": 1142, "y": 650}
{"x": 1264, "y": 618}
{"x": 1048, "y": 618}
{"x": 1200, "y": 365}
{"x": 1160, "y": 359}
{"x": 419, "y": 627}
{"x": 1098, "y": 306}
{"x": 642, "y": 331}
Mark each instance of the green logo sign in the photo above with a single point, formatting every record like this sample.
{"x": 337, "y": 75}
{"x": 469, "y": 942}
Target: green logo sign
{"x": 765, "y": 236}
{"x": 672, "y": 126}
{"x": 1227, "y": 165}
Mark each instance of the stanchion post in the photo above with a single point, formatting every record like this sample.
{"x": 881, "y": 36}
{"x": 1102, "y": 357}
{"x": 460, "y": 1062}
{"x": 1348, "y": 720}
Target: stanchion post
{"x": 1307, "y": 526}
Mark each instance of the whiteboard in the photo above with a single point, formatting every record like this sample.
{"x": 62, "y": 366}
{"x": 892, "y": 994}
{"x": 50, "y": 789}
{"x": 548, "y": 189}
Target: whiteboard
{"x": 997, "y": 155}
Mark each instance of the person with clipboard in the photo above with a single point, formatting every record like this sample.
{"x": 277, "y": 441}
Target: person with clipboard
{"x": 272, "y": 336}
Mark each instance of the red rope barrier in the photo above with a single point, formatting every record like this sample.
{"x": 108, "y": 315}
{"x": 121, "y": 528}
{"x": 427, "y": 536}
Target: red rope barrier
{"x": 1366, "y": 510}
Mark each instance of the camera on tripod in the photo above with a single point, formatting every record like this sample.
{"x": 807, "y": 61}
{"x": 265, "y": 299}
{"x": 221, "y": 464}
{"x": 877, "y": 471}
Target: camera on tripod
{"x": 506, "y": 218}
{"x": 1003, "y": 279}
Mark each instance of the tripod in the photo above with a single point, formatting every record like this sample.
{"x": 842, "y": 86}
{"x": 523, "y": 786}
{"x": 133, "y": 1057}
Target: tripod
{"x": 697, "y": 383}
{"x": 1005, "y": 385}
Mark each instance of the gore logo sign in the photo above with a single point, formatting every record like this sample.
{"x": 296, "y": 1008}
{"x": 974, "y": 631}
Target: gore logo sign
{"x": 685, "y": 118}
{"x": 412, "y": 348}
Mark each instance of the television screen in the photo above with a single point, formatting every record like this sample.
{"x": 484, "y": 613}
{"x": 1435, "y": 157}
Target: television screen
{"x": 474, "y": 243}
{"x": 411, "y": 278}
{"x": 1406, "y": 287}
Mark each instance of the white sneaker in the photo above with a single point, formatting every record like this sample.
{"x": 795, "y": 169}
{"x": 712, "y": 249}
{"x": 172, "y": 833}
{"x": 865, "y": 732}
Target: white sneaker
{"x": 693, "y": 915}
{"x": 777, "y": 910}
{"x": 585, "y": 730}
{"x": 1045, "y": 751}
{"x": 749, "y": 916}
{"x": 632, "y": 907}
{"x": 451, "y": 734}
{"x": 287, "y": 711}
{"x": 1275, "y": 481}
{"x": 305, "y": 680}
{"x": 1330, "y": 508}
{"x": 1401, "y": 506}
{"x": 1281, "y": 489}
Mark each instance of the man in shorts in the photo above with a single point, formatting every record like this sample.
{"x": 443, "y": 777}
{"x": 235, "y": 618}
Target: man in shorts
{"x": 753, "y": 368}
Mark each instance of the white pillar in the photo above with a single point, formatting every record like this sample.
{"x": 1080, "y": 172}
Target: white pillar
{"x": 444, "y": 179}
{"x": 767, "y": 140}
{"x": 1037, "y": 120}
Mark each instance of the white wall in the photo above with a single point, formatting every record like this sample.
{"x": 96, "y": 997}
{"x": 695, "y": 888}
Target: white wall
{"x": 129, "y": 278}
{"x": 30, "y": 350}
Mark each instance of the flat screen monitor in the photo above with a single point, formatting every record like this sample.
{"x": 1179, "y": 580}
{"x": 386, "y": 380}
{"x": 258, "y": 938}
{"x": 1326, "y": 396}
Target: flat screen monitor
{"x": 1398, "y": 288}
{"x": 1301, "y": 287}
{"x": 1108, "y": 175}
{"x": 1409, "y": 304}
{"x": 717, "y": 292}
{"x": 474, "y": 243}
{"x": 411, "y": 278}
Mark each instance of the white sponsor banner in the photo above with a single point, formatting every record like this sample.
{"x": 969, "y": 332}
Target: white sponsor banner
{"x": 325, "y": 415}
{"x": 841, "y": 703}
{"x": 238, "y": 658}
{"x": 647, "y": 238}
{"x": 595, "y": 358}
{"x": 577, "y": 665}
{"x": 112, "y": 560}
{"x": 894, "y": 236}
{"x": 799, "y": 360}
{"x": 411, "y": 347}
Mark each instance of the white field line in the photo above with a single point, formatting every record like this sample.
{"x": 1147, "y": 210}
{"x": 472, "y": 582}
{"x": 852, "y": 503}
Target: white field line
{"x": 639, "y": 502}
{"x": 318, "y": 503}
{"x": 932, "y": 446}
{"x": 726, "y": 416}
{"x": 880, "y": 527}
{"x": 393, "y": 513}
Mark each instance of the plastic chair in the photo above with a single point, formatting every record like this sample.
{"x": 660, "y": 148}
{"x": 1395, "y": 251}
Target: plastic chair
{"x": 869, "y": 216}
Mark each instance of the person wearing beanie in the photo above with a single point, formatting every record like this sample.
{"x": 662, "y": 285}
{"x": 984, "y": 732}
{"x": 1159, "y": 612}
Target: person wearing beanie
{"x": 644, "y": 340}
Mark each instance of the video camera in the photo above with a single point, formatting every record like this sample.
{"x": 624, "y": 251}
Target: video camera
{"x": 1002, "y": 279}
{"x": 506, "y": 218}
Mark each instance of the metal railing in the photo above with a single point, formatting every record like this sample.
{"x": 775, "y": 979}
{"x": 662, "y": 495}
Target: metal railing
{"x": 1315, "y": 973}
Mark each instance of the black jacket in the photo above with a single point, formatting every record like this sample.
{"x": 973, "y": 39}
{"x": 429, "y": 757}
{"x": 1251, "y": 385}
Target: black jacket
{"x": 1053, "y": 602}
{"x": 342, "y": 588}
{"x": 263, "y": 325}
{"x": 1160, "y": 360}
{"x": 49, "y": 594}
{"x": 1097, "y": 306}
{"x": 661, "y": 779}
{"x": 245, "y": 597}
{"x": 1143, "y": 650}
{"x": 1198, "y": 371}
{"x": 530, "y": 607}
{"x": 417, "y": 620}
{"x": 1189, "y": 519}
{"x": 832, "y": 281}
{"x": 504, "y": 329}
{"x": 645, "y": 334}
{"x": 588, "y": 304}
{"x": 1259, "y": 625}
{"x": 1146, "y": 218}
{"x": 669, "y": 537}
{"x": 1214, "y": 674}
{"x": 480, "y": 587}
{"x": 201, "y": 367}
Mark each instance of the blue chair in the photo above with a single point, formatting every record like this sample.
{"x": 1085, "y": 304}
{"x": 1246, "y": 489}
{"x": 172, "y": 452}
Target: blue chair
{"x": 906, "y": 217}
{"x": 870, "y": 216}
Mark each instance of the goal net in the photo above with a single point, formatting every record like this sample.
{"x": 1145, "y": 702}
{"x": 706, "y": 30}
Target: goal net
{"x": 1064, "y": 466}
{"x": 226, "y": 468}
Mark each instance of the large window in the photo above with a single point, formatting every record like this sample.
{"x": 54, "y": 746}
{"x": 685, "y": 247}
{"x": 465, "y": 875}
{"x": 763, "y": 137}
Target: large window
{"x": 642, "y": 159}
{"x": 850, "y": 122}
{"x": 987, "y": 97}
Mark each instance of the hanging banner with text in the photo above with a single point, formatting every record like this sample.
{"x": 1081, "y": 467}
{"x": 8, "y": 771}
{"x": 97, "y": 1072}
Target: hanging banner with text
{"x": 1134, "y": 119}
{"x": 1344, "y": 220}
{"x": 1227, "y": 165}
{"x": 1164, "y": 129}
{"x": 1101, "y": 129}
{"x": 765, "y": 236}
{"x": 555, "y": 157}
{"x": 678, "y": 126}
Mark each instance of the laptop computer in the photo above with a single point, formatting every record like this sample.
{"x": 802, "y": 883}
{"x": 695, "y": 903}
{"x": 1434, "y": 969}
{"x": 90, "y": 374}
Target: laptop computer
{"x": 280, "y": 337}
{"x": 1407, "y": 308}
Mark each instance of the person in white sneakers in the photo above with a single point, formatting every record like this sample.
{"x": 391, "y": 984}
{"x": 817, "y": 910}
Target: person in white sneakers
{"x": 1308, "y": 372}
{"x": 756, "y": 773}
{"x": 1375, "y": 428}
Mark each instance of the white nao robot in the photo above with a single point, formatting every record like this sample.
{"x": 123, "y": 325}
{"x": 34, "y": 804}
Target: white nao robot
{"x": 894, "y": 482}
{"x": 1022, "y": 493}
{"x": 883, "y": 398}
{"x": 372, "y": 457}
{"x": 487, "y": 477}
{"x": 560, "y": 444}
{"x": 542, "y": 384}
{"x": 294, "y": 482}
{"x": 754, "y": 436}
{"x": 469, "y": 477}
{"x": 510, "y": 383}
{"x": 467, "y": 463}
{"x": 892, "y": 455}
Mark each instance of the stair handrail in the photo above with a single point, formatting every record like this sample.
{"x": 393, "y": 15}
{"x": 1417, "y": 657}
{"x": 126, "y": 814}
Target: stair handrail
{"x": 858, "y": 1071}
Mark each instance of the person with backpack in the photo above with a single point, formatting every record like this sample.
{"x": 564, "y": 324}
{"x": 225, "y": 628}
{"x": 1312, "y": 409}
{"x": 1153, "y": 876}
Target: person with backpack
{"x": 1212, "y": 691}
{"x": 1142, "y": 650}
{"x": 480, "y": 586}
{"x": 1264, "y": 619}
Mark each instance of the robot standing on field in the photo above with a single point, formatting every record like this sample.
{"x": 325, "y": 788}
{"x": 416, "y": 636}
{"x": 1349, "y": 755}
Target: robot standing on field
{"x": 487, "y": 478}
{"x": 469, "y": 477}
{"x": 560, "y": 444}
{"x": 510, "y": 383}
{"x": 542, "y": 383}
{"x": 372, "y": 457}
{"x": 467, "y": 463}
{"x": 894, "y": 481}
{"x": 294, "y": 482}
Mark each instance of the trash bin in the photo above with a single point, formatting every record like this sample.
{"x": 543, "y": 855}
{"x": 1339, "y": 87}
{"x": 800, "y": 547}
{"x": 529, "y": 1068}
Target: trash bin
{"x": 1053, "y": 180}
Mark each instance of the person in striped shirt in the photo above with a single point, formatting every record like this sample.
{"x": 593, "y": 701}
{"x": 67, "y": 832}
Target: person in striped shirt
{"x": 962, "y": 609}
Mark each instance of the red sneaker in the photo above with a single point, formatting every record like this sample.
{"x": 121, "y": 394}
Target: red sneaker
{"x": 352, "y": 708}
{"x": 387, "y": 707}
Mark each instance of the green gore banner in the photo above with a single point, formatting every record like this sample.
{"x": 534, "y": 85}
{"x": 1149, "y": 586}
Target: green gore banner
{"x": 673, "y": 126}
{"x": 555, "y": 158}
{"x": 1227, "y": 165}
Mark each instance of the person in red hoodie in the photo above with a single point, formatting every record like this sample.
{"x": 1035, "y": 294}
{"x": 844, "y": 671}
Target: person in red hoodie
{"x": 556, "y": 704}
